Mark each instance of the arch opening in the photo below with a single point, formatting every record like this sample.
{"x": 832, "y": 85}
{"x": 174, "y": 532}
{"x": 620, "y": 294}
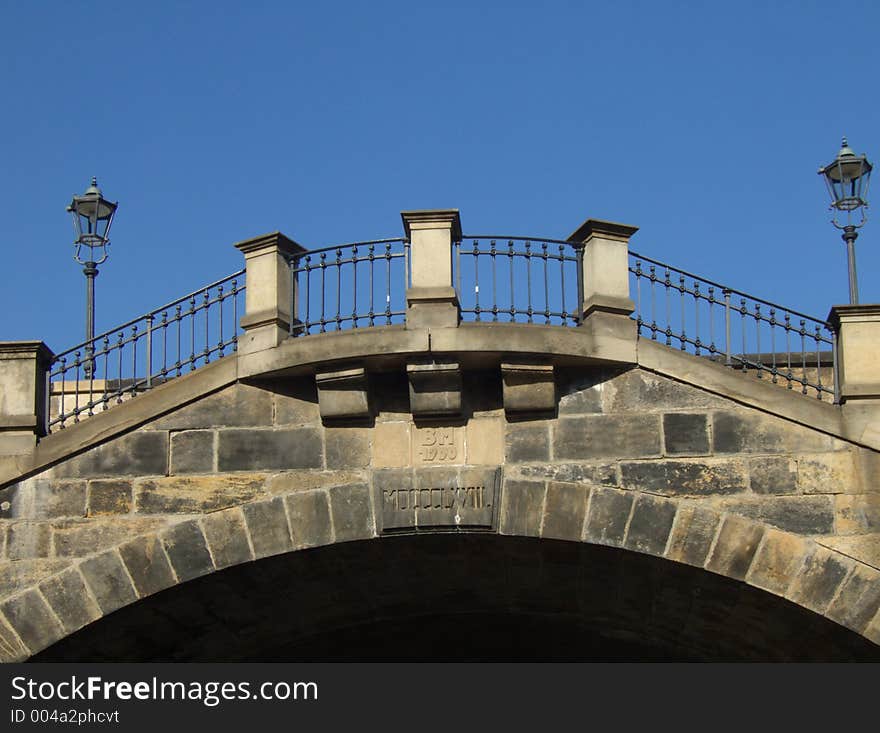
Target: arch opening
{"x": 462, "y": 597}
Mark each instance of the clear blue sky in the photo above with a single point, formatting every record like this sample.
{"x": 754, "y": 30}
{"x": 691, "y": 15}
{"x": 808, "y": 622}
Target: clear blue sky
{"x": 211, "y": 122}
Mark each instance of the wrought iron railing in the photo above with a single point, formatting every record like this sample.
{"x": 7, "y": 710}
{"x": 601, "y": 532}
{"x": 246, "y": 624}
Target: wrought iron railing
{"x": 146, "y": 351}
{"x": 353, "y": 285}
{"x": 519, "y": 279}
{"x": 702, "y": 317}
{"x": 498, "y": 279}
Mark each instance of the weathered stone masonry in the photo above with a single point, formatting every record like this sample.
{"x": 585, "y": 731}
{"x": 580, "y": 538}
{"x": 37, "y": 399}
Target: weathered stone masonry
{"x": 631, "y": 459}
{"x": 587, "y": 435}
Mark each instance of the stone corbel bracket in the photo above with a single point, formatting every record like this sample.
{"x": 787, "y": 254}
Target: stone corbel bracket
{"x": 434, "y": 388}
{"x": 528, "y": 388}
{"x": 343, "y": 394}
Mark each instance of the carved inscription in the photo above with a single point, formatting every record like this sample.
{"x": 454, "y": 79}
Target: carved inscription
{"x": 466, "y": 497}
{"x": 442, "y": 445}
{"x": 438, "y": 498}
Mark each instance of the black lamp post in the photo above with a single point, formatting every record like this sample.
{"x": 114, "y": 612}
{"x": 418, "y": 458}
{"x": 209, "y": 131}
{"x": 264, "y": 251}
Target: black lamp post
{"x": 847, "y": 178}
{"x": 92, "y": 217}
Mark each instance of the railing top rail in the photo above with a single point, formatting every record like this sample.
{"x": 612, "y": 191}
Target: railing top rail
{"x": 726, "y": 288}
{"x": 148, "y": 314}
{"x": 521, "y": 239}
{"x": 334, "y": 247}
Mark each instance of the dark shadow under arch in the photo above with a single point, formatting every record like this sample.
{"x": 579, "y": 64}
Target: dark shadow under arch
{"x": 462, "y": 597}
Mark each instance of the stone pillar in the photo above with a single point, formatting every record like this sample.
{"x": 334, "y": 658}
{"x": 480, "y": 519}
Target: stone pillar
{"x": 270, "y": 305}
{"x": 24, "y": 369}
{"x": 606, "y": 266}
{"x": 431, "y": 298}
{"x": 858, "y": 351}
{"x": 858, "y": 367}
{"x": 606, "y": 303}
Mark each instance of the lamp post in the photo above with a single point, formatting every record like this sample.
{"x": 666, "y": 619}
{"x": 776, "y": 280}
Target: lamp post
{"x": 847, "y": 178}
{"x": 92, "y": 217}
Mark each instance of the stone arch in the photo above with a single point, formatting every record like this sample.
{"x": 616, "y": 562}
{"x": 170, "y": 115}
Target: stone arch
{"x": 797, "y": 569}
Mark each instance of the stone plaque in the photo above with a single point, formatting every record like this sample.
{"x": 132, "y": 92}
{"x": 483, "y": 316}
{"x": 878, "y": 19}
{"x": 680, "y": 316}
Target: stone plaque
{"x": 438, "y": 446}
{"x": 438, "y": 498}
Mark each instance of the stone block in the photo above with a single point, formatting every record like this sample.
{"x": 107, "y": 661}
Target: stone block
{"x": 773, "y": 475}
{"x": 692, "y": 535}
{"x": 564, "y": 511}
{"x": 608, "y": 515}
{"x": 527, "y": 442}
{"x": 650, "y": 525}
{"x": 528, "y": 388}
{"x": 437, "y": 445}
{"x": 819, "y": 579}
{"x": 434, "y": 388}
{"x": 806, "y": 515}
{"x": 108, "y": 580}
{"x": 195, "y": 494}
{"x": 743, "y": 432}
{"x": 388, "y": 485}
{"x": 187, "y": 550}
{"x": 607, "y": 436}
{"x": 686, "y": 433}
{"x": 16, "y": 501}
{"x": 309, "y": 514}
{"x": 256, "y": 450}
{"x": 684, "y": 477}
{"x": 227, "y": 538}
{"x": 11, "y": 647}
{"x": 21, "y": 574}
{"x": 829, "y": 473}
{"x": 192, "y": 451}
{"x": 239, "y": 405}
{"x": 482, "y": 393}
{"x": 778, "y": 560}
{"x": 80, "y": 537}
{"x": 857, "y": 514}
{"x": 25, "y": 540}
{"x": 522, "y": 508}
{"x": 872, "y": 631}
{"x": 33, "y": 620}
{"x": 147, "y": 565}
{"x": 603, "y": 474}
{"x": 583, "y": 394}
{"x": 484, "y": 439}
{"x": 858, "y": 600}
{"x": 68, "y": 596}
{"x": 343, "y": 394}
{"x": 391, "y": 444}
{"x": 53, "y": 499}
{"x": 735, "y": 548}
{"x": 390, "y": 395}
{"x": 352, "y": 512}
{"x": 142, "y": 453}
{"x": 267, "y": 526}
{"x": 296, "y": 403}
{"x": 109, "y": 497}
{"x": 347, "y": 447}
{"x": 306, "y": 479}
{"x": 640, "y": 391}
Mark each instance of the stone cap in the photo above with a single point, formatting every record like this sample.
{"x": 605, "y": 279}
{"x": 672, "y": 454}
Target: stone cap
{"x": 25, "y": 349}
{"x": 853, "y": 312}
{"x": 433, "y": 216}
{"x": 606, "y": 229}
{"x": 277, "y": 240}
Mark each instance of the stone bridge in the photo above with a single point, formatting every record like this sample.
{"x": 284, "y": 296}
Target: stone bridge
{"x": 446, "y": 489}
